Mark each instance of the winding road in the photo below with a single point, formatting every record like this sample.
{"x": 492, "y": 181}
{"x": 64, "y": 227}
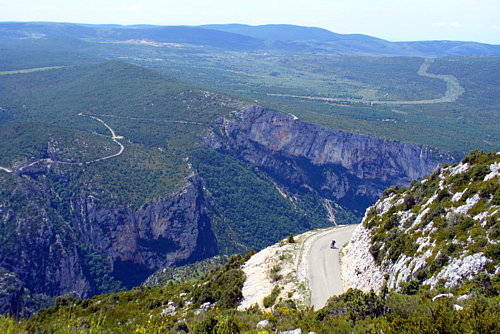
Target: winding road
{"x": 114, "y": 137}
{"x": 322, "y": 264}
{"x": 49, "y": 161}
{"x": 453, "y": 90}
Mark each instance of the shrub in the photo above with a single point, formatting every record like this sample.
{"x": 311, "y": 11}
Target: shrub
{"x": 274, "y": 273}
{"x": 206, "y": 326}
{"x": 355, "y": 304}
{"x": 410, "y": 288}
{"x": 473, "y": 156}
{"x": 389, "y": 191}
{"x": 227, "y": 325}
{"x": 224, "y": 286}
{"x": 271, "y": 299}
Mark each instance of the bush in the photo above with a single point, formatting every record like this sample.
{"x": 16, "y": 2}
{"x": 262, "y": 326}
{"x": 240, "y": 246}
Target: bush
{"x": 271, "y": 299}
{"x": 224, "y": 287}
{"x": 410, "y": 288}
{"x": 355, "y": 304}
{"x": 206, "y": 326}
{"x": 227, "y": 325}
{"x": 274, "y": 273}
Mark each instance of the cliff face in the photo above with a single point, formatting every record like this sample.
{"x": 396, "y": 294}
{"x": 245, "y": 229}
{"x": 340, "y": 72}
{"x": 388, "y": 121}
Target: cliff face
{"x": 59, "y": 240}
{"x": 349, "y": 168}
{"x": 101, "y": 246}
{"x": 440, "y": 231}
{"x": 159, "y": 234}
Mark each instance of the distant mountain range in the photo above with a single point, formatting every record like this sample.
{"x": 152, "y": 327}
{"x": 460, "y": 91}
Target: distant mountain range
{"x": 278, "y": 37}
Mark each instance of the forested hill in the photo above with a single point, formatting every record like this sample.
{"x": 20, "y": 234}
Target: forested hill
{"x": 280, "y": 37}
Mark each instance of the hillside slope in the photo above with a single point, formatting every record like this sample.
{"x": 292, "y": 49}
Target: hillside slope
{"x": 441, "y": 231}
{"x": 209, "y": 304}
{"x": 110, "y": 172}
{"x": 279, "y": 37}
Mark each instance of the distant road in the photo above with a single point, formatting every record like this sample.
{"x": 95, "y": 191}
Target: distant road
{"x": 49, "y": 161}
{"x": 323, "y": 264}
{"x": 5, "y": 169}
{"x": 114, "y": 137}
{"x": 453, "y": 90}
{"x": 151, "y": 119}
{"x": 30, "y": 70}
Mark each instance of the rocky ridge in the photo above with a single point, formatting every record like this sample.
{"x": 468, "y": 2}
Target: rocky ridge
{"x": 441, "y": 231}
{"x": 349, "y": 168}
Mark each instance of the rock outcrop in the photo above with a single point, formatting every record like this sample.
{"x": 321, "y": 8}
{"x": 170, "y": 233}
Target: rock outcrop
{"x": 440, "y": 231}
{"x": 101, "y": 246}
{"x": 349, "y": 168}
{"x": 167, "y": 232}
{"x": 358, "y": 266}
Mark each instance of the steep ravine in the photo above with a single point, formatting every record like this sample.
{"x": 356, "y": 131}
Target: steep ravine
{"x": 93, "y": 246}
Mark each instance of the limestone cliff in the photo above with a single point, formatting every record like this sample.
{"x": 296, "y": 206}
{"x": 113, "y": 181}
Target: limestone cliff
{"x": 349, "y": 168}
{"x": 101, "y": 246}
{"x": 440, "y": 231}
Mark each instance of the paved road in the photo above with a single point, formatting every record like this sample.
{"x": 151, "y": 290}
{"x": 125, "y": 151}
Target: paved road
{"x": 323, "y": 265}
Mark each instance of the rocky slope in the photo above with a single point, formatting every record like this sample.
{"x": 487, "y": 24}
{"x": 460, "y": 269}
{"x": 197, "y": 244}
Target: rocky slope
{"x": 441, "y": 231}
{"x": 349, "y": 168}
{"x": 101, "y": 246}
{"x": 61, "y": 240}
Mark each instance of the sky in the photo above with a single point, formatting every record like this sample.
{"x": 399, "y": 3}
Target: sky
{"x": 394, "y": 20}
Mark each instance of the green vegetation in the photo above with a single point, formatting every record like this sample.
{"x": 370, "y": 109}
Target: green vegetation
{"x": 458, "y": 127}
{"x": 186, "y": 273}
{"x": 163, "y": 119}
{"x": 271, "y": 299}
{"x": 21, "y": 54}
{"x": 153, "y": 161}
{"x": 180, "y": 308}
{"x": 248, "y": 208}
{"x": 223, "y": 288}
{"x": 274, "y": 273}
{"x": 450, "y": 233}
